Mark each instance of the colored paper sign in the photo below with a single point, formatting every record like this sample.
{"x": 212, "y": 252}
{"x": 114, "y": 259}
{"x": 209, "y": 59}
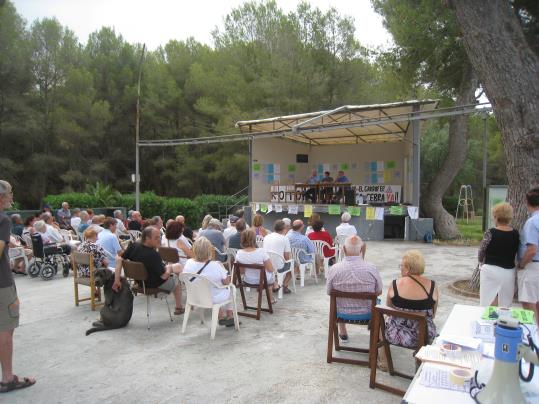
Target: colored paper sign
{"x": 257, "y": 167}
{"x": 373, "y": 166}
{"x": 354, "y": 210}
{"x": 396, "y": 210}
{"x": 390, "y": 165}
{"x": 293, "y": 209}
{"x": 263, "y": 208}
{"x": 277, "y": 177}
{"x": 344, "y": 166}
{"x": 370, "y": 213}
{"x": 277, "y": 169}
{"x": 257, "y": 207}
{"x": 387, "y": 176}
{"x": 269, "y": 168}
{"x": 320, "y": 169}
{"x": 374, "y": 178}
{"x": 379, "y": 214}
{"x": 269, "y": 178}
{"x": 413, "y": 212}
{"x": 256, "y": 176}
{"x": 334, "y": 209}
{"x": 291, "y": 168}
{"x": 334, "y": 167}
{"x": 380, "y": 165}
{"x": 291, "y": 176}
{"x": 278, "y": 208}
{"x": 270, "y": 208}
{"x": 307, "y": 210}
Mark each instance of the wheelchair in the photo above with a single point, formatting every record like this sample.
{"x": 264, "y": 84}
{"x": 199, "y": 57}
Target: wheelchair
{"x": 48, "y": 259}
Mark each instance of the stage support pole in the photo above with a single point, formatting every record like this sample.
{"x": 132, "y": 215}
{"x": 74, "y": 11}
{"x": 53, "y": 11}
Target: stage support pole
{"x": 137, "y": 134}
{"x": 416, "y": 155}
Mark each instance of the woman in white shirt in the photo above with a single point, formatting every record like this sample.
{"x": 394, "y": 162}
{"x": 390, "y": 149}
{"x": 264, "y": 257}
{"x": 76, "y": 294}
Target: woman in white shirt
{"x": 174, "y": 238}
{"x": 203, "y": 264}
{"x": 250, "y": 254}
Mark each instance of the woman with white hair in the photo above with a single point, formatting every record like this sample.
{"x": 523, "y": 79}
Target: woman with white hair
{"x": 345, "y": 229}
{"x": 202, "y": 264}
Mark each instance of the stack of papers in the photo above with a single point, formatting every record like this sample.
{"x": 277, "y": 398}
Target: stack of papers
{"x": 465, "y": 342}
{"x": 432, "y": 376}
{"x": 465, "y": 359}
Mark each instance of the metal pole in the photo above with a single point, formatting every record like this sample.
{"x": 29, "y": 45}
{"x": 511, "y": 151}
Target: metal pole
{"x": 485, "y": 155}
{"x": 416, "y": 153}
{"x": 137, "y": 135}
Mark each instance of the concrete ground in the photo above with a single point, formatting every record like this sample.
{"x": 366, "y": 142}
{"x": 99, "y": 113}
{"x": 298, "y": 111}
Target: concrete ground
{"x": 281, "y": 358}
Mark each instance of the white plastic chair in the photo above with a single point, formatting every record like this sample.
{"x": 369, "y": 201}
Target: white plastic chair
{"x": 199, "y": 295}
{"x": 319, "y": 247}
{"x": 278, "y": 261}
{"x": 135, "y": 234}
{"x": 231, "y": 257}
{"x": 259, "y": 241}
{"x": 302, "y": 267}
{"x": 339, "y": 247}
{"x": 16, "y": 253}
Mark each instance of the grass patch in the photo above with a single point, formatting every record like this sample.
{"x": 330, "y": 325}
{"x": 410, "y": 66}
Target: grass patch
{"x": 471, "y": 231}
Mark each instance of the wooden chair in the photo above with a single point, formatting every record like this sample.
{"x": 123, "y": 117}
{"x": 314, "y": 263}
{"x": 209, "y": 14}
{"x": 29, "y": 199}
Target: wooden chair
{"x": 378, "y": 340}
{"x": 138, "y": 273}
{"x": 169, "y": 254}
{"x": 260, "y": 288}
{"x": 78, "y": 258}
{"x": 333, "y": 337}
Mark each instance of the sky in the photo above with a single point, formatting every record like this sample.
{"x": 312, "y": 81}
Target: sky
{"x": 158, "y": 21}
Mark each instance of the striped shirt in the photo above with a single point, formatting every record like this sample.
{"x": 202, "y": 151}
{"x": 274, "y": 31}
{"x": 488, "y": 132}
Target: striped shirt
{"x": 353, "y": 274}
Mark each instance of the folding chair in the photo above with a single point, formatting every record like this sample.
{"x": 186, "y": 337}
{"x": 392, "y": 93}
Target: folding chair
{"x": 78, "y": 258}
{"x": 260, "y": 288}
{"x": 278, "y": 261}
{"x": 333, "y": 337}
{"x": 138, "y": 273}
{"x": 169, "y": 254}
{"x": 231, "y": 257}
{"x": 296, "y": 252}
{"x": 378, "y": 340}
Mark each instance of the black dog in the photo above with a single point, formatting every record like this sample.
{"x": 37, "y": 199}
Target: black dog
{"x": 118, "y": 307}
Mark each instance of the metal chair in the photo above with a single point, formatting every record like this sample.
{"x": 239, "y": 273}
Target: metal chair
{"x": 138, "y": 273}
{"x": 333, "y": 337}
{"x": 378, "y": 340}
{"x": 78, "y": 258}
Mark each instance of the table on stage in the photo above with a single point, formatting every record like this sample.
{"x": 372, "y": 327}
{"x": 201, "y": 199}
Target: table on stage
{"x": 303, "y": 187}
{"x": 459, "y": 323}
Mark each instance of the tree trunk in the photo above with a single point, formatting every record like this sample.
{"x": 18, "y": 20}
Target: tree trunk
{"x": 509, "y": 71}
{"x": 445, "y": 225}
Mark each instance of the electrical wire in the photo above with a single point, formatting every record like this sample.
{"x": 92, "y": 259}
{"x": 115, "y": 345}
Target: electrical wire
{"x": 531, "y": 366}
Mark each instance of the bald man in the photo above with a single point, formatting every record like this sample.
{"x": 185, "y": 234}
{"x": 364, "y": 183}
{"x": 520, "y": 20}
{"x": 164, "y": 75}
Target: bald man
{"x": 187, "y": 231}
{"x": 353, "y": 274}
{"x": 301, "y": 241}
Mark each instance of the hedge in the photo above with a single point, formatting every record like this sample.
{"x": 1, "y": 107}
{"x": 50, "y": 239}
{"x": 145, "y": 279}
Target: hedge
{"x": 152, "y": 204}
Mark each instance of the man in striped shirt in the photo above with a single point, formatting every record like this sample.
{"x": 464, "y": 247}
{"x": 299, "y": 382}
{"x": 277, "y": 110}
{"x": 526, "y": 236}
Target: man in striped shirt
{"x": 353, "y": 274}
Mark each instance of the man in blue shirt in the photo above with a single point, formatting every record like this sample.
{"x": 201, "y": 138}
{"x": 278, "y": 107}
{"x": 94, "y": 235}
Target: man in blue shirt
{"x": 109, "y": 241}
{"x": 300, "y": 241}
{"x": 528, "y": 266}
{"x": 347, "y": 191}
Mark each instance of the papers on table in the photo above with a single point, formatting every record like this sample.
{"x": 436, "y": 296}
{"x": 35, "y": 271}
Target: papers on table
{"x": 465, "y": 359}
{"x": 487, "y": 349}
{"x": 483, "y": 330}
{"x": 465, "y": 342}
{"x": 438, "y": 377}
{"x": 293, "y": 209}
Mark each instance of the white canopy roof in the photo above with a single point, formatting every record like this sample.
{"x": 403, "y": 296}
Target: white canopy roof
{"x": 349, "y": 124}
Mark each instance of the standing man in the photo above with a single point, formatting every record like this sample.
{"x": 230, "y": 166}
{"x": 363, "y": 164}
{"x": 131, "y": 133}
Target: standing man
{"x": 9, "y": 302}
{"x": 108, "y": 240}
{"x": 528, "y": 266}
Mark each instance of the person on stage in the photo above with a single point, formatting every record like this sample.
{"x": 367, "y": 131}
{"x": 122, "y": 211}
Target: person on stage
{"x": 311, "y": 192}
{"x": 347, "y": 193}
{"x": 327, "y": 192}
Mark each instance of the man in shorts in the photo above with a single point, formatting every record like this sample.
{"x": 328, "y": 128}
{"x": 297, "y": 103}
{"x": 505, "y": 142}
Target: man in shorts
{"x": 9, "y": 302}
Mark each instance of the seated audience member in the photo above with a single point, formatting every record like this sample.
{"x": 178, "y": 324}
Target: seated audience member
{"x": 29, "y": 226}
{"x": 314, "y": 217}
{"x": 120, "y": 226}
{"x": 136, "y": 221}
{"x": 205, "y": 223}
{"x": 345, "y": 228}
{"x": 159, "y": 275}
{"x": 97, "y": 222}
{"x": 497, "y": 254}
{"x": 202, "y": 264}
{"x": 63, "y": 216}
{"x": 16, "y": 257}
{"x": 90, "y": 215}
{"x": 46, "y": 208}
{"x": 278, "y": 243}
{"x": 53, "y": 235}
{"x": 319, "y": 233}
{"x": 298, "y": 240}
{"x": 411, "y": 292}
{"x": 287, "y": 225}
{"x": 258, "y": 222}
{"x": 49, "y": 237}
{"x": 235, "y": 240}
{"x": 175, "y": 239}
{"x": 240, "y": 213}
{"x": 41, "y": 228}
{"x": 17, "y": 225}
{"x": 251, "y": 254}
{"x": 90, "y": 246}
{"x": 215, "y": 235}
{"x": 231, "y": 229}
{"x": 84, "y": 218}
{"x": 187, "y": 231}
{"x": 353, "y": 274}
{"x": 327, "y": 192}
{"x": 157, "y": 222}
{"x": 75, "y": 219}
{"x": 310, "y": 193}
{"x": 108, "y": 240}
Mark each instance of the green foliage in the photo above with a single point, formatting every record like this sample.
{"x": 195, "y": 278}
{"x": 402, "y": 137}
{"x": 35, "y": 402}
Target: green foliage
{"x": 105, "y": 195}
{"x": 471, "y": 230}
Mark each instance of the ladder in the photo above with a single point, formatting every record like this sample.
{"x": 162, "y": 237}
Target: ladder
{"x": 465, "y": 203}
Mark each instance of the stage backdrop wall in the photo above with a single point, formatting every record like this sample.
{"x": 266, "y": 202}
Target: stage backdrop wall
{"x": 274, "y": 162}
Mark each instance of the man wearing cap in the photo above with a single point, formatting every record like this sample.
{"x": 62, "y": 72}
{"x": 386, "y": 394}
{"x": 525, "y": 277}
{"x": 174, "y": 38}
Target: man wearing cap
{"x": 231, "y": 230}
{"x": 345, "y": 228}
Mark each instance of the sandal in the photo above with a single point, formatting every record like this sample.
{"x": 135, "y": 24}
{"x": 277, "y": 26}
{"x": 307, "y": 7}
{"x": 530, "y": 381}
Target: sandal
{"x": 275, "y": 290}
{"x": 274, "y": 301}
{"x": 16, "y": 384}
{"x": 178, "y": 311}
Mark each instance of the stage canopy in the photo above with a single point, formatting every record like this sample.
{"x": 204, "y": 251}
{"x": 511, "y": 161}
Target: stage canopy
{"x": 349, "y": 124}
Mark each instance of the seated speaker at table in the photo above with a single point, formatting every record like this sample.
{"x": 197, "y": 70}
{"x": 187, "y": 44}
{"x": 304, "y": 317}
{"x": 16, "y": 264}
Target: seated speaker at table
{"x": 327, "y": 192}
{"x": 310, "y": 194}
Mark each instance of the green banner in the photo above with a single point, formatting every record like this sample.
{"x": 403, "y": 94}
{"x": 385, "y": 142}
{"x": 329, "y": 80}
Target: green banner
{"x": 344, "y": 166}
{"x": 256, "y": 167}
{"x": 291, "y": 168}
{"x": 396, "y": 210}
{"x": 263, "y": 208}
{"x": 390, "y": 165}
{"x": 334, "y": 209}
{"x": 354, "y": 210}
